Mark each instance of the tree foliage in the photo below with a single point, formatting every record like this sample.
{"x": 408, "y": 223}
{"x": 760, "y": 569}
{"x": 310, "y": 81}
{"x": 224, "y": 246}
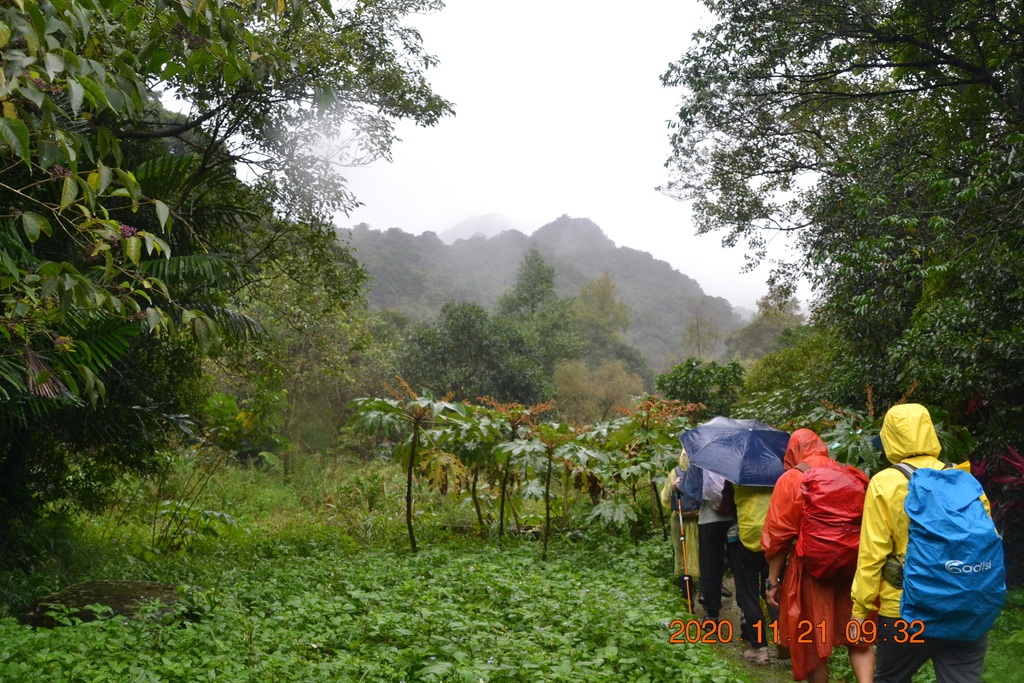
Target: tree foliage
{"x": 125, "y": 228}
{"x": 602, "y": 320}
{"x": 887, "y": 137}
{"x": 533, "y": 306}
{"x": 534, "y": 286}
{"x": 715, "y": 386}
{"x": 601, "y": 317}
{"x": 586, "y": 396}
{"x": 471, "y": 354}
{"x": 764, "y": 333}
{"x": 703, "y": 329}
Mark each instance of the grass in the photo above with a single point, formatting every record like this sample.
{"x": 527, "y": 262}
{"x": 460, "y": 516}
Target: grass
{"x": 317, "y": 584}
{"x": 316, "y": 607}
{"x": 1006, "y": 642}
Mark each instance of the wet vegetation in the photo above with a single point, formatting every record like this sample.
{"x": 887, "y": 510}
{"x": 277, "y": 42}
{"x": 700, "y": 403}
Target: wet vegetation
{"x": 453, "y": 474}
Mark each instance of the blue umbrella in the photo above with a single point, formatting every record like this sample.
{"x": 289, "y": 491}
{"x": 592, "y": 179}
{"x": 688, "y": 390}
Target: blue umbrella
{"x": 746, "y": 452}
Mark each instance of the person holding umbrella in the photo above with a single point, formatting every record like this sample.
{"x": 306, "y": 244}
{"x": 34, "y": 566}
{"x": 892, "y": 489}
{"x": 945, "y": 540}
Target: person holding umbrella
{"x": 714, "y": 520}
{"x": 747, "y": 453}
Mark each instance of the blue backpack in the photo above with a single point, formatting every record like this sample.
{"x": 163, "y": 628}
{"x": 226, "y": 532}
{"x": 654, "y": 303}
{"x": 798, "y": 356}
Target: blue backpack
{"x": 691, "y": 489}
{"x": 954, "y": 578}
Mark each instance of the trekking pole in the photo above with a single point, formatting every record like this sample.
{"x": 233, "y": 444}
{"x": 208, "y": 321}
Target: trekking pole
{"x": 686, "y": 581}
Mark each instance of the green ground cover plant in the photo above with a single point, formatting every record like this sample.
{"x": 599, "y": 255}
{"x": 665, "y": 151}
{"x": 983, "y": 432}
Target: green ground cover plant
{"x": 1006, "y": 641}
{"x": 314, "y": 581}
{"x": 312, "y": 605}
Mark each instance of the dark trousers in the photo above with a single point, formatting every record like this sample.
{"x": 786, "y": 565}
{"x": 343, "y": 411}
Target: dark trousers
{"x": 711, "y": 541}
{"x": 750, "y": 570}
{"x": 955, "y": 661}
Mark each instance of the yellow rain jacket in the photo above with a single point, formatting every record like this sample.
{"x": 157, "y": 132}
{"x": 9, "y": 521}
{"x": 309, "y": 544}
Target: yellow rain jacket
{"x": 907, "y": 436}
{"x": 689, "y": 526}
{"x": 751, "y": 511}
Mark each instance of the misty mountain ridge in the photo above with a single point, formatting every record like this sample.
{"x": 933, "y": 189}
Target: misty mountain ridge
{"x": 416, "y": 274}
{"x": 487, "y": 225}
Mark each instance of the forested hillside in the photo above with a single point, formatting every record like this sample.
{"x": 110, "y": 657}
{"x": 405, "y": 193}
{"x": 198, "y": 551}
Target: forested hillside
{"x": 387, "y": 457}
{"x": 416, "y": 274}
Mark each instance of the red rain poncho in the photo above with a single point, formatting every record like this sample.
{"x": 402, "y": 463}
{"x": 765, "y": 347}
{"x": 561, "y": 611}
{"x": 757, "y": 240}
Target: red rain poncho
{"x": 803, "y": 598}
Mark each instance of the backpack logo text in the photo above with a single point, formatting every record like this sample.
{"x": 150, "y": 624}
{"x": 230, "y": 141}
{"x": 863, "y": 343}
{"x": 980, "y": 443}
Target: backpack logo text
{"x": 958, "y": 567}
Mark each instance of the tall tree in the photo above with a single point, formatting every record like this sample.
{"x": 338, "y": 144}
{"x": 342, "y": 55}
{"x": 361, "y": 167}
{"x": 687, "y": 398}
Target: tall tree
{"x": 602, "y": 321}
{"x": 544, "y": 318}
{"x": 471, "y": 354}
{"x": 601, "y": 317}
{"x": 534, "y": 286}
{"x": 704, "y": 328}
{"x": 126, "y": 229}
{"x": 762, "y": 336}
{"x": 888, "y": 138}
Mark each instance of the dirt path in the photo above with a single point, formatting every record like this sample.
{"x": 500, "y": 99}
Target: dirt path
{"x": 777, "y": 671}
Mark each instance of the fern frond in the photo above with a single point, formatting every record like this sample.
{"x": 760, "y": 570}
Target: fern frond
{"x": 12, "y": 377}
{"x": 207, "y": 269}
{"x": 232, "y": 323}
{"x": 100, "y": 341}
{"x": 166, "y": 176}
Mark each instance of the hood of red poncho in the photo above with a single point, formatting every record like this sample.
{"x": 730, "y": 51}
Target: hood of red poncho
{"x": 803, "y": 443}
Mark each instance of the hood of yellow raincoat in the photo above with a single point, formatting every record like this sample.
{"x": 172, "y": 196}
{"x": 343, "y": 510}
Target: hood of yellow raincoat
{"x": 684, "y": 462}
{"x": 803, "y": 443}
{"x": 908, "y": 431}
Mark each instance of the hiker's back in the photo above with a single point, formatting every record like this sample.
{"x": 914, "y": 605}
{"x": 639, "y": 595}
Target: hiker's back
{"x": 833, "y": 502}
{"x": 954, "y": 579}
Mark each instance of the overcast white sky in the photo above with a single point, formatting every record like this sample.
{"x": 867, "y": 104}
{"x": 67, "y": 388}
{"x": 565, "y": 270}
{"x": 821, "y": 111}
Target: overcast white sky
{"x": 558, "y": 110}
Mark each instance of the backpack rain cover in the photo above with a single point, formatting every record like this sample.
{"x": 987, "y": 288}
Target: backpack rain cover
{"x": 954, "y": 578}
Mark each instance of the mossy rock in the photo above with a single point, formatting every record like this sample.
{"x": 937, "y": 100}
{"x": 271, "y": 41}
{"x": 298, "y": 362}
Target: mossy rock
{"x": 124, "y": 598}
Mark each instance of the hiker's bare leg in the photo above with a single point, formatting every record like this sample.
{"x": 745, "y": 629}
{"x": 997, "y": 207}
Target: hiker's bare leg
{"x": 862, "y": 659}
{"x": 819, "y": 675}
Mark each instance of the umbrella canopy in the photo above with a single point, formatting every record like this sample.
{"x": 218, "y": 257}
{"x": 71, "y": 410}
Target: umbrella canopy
{"x": 746, "y": 452}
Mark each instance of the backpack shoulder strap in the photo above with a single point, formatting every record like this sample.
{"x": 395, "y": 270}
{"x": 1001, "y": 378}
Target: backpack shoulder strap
{"x": 802, "y": 466}
{"x": 906, "y": 468}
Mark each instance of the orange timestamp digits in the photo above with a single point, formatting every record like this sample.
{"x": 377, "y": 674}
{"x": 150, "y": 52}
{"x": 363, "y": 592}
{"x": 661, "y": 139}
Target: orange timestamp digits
{"x": 773, "y": 627}
{"x": 867, "y": 632}
{"x": 912, "y": 632}
{"x": 696, "y": 631}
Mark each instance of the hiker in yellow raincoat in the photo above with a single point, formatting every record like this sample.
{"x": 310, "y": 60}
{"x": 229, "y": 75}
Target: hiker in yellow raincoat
{"x": 907, "y": 436}
{"x": 689, "y": 524}
{"x": 750, "y": 569}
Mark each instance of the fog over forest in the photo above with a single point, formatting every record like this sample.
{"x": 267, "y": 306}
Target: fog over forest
{"x": 476, "y": 261}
